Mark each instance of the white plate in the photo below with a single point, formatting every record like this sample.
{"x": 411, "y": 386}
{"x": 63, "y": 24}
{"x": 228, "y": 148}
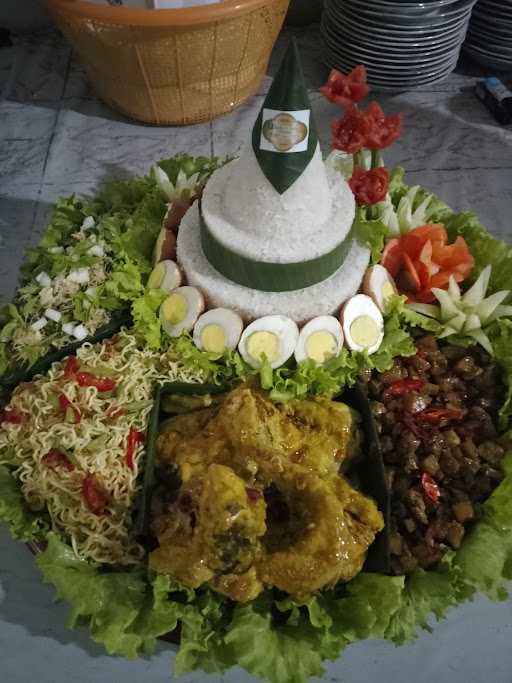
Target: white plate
{"x": 391, "y": 80}
{"x": 409, "y": 7}
{"x": 403, "y": 21}
{"x": 385, "y": 65}
{"x": 492, "y": 62}
{"x": 380, "y": 41}
{"x": 404, "y": 33}
{"x": 395, "y": 57}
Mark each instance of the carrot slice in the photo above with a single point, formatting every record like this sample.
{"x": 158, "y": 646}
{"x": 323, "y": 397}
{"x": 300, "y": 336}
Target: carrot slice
{"x": 392, "y": 257}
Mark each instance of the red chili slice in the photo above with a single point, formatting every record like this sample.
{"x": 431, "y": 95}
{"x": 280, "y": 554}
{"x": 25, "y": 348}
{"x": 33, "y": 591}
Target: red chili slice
{"x": 94, "y": 494}
{"x": 404, "y": 386}
{"x": 66, "y": 407}
{"x": 55, "y": 459}
{"x": 430, "y": 487}
{"x": 71, "y": 367}
{"x": 87, "y": 379}
{"x": 113, "y": 412}
{"x": 435, "y": 415}
{"x": 134, "y": 439}
{"x": 11, "y": 416}
{"x": 254, "y": 495}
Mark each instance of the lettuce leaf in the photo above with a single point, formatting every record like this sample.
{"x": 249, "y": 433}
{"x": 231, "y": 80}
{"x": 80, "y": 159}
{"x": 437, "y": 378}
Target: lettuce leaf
{"x": 370, "y": 232}
{"x": 485, "y": 248}
{"x": 145, "y": 316}
{"x": 24, "y": 525}
{"x": 123, "y": 612}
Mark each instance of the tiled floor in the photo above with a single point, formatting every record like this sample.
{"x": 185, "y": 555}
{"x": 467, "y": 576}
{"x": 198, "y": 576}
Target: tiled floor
{"x": 57, "y": 138}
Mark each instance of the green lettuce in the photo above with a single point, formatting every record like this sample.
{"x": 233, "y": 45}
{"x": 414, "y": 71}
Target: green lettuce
{"x": 24, "y": 525}
{"x": 485, "y": 248}
{"x": 125, "y": 611}
{"x": 370, "y": 232}
{"x": 146, "y": 321}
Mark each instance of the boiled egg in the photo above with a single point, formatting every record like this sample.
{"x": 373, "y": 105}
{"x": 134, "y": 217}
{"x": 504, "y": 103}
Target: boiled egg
{"x": 275, "y": 336}
{"x": 181, "y": 309}
{"x": 363, "y": 324}
{"x": 166, "y": 275}
{"x": 319, "y": 340}
{"x": 218, "y": 330}
{"x": 379, "y": 285}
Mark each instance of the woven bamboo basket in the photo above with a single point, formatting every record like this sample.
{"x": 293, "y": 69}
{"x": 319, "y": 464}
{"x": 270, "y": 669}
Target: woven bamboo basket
{"x": 176, "y": 66}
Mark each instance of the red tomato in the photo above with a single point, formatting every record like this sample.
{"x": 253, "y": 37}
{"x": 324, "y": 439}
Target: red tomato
{"x": 134, "y": 439}
{"x": 421, "y": 260}
{"x": 87, "y": 379}
{"x": 430, "y": 487}
{"x": 348, "y": 89}
{"x": 404, "y": 386}
{"x": 71, "y": 367}
{"x": 384, "y": 130}
{"x": 11, "y": 416}
{"x": 94, "y": 494}
{"x": 55, "y": 459}
{"x": 435, "y": 415}
{"x": 369, "y": 187}
{"x": 66, "y": 407}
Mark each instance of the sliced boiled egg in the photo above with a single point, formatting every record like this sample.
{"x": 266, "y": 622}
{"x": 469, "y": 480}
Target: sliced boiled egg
{"x": 218, "y": 330}
{"x": 181, "y": 309}
{"x": 379, "y": 285}
{"x": 319, "y": 340}
{"x": 275, "y": 336}
{"x": 166, "y": 275}
{"x": 363, "y": 324}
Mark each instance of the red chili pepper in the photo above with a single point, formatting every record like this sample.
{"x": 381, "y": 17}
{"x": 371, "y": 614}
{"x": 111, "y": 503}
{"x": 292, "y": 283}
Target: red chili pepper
{"x": 11, "y": 416}
{"x": 71, "y": 367}
{"x": 404, "y": 386}
{"x": 94, "y": 494}
{"x": 430, "y": 487}
{"x": 435, "y": 415}
{"x": 134, "y": 439}
{"x": 56, "y": 459}
{"x": 114, "y": 412}
{"x": 65, "y": 406}
{"x": 87, "y": 379}
{"x": 254, "y": 495}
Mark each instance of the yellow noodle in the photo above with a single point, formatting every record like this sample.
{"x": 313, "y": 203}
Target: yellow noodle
{"x": 103, "y": 538}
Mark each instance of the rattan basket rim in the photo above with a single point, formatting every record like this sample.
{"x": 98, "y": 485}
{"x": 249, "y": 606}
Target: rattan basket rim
{"x": 191, "y": 16}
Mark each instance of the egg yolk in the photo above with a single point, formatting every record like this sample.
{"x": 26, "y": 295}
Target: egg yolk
{"x": 387, "y": 291}
{"x": 263, "y": 342}
{"x": 175, "y": 308}
{"x": 156, "y": 277}
{"x": 320, "y": 346}
{"x": 213, "y": 338}
{"x": 364, "y": 331}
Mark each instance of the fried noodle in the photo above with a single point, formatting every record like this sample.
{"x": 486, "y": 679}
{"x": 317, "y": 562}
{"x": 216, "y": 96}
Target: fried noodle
{"x": 94, "y": 445}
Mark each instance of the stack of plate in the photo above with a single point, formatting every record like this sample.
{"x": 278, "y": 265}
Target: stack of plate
{"x": 402, "y": 43}
{"x": 489, "y": 39}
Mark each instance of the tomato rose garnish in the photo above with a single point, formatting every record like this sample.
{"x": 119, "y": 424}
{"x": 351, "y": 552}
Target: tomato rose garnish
{"x": 369, "y": 187}
{"x": 94, "y": 494}
{"x": 382, "y": 130}
{"x": 348, "y": 89}
{"x": 371, "y": 129}
{"x": 423, "y": 259}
